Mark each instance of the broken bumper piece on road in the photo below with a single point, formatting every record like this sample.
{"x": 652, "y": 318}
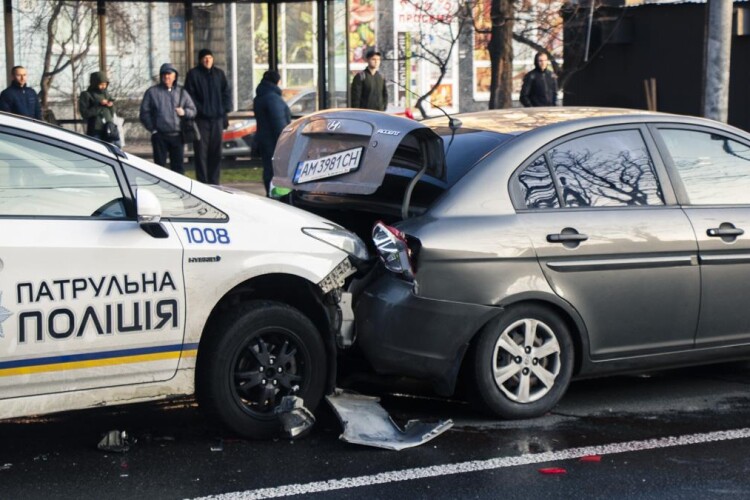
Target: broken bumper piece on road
{"x": 366, "y": 422}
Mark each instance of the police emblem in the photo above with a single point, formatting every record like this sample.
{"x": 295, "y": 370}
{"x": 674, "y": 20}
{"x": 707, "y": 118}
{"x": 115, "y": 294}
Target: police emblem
{"x": 4, "y": 314}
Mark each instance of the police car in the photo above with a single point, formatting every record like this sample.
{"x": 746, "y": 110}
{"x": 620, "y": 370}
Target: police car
{"x": 123, "y": 282}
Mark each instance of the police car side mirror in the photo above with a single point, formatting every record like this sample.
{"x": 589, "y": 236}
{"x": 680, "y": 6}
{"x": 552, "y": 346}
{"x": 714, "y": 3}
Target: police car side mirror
{"x": 149, "y": 213}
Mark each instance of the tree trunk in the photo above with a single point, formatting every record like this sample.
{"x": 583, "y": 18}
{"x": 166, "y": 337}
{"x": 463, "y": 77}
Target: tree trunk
{"x": 501, "y": 54}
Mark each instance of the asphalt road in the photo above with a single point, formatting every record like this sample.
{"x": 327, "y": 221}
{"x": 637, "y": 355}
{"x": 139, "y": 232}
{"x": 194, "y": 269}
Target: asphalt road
{"x": 676, "y": 434}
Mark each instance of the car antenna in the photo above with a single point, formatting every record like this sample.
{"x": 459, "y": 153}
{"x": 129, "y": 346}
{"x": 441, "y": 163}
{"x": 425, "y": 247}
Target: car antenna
{"x": 453, "y": 123}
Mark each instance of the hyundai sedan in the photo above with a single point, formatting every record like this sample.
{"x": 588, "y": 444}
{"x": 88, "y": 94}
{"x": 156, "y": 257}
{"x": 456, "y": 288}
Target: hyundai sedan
{"x": 529, "y": 247}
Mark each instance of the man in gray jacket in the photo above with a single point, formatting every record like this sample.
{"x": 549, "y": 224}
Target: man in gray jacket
{"x": 164, "y": 106}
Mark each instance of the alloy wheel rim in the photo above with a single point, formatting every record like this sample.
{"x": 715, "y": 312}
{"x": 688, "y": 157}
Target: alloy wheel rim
{"x": 268, "y": 367}
{"x": 526, "y": 360}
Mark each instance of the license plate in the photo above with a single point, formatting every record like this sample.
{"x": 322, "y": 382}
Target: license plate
{"x": 328, "y": 166}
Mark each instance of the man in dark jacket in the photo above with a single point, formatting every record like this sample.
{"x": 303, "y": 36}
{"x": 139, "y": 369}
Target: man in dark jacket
{"x": 208, "y": 87}
{"x": 271, "y": 116}
{"x": 539, "y": 85}
{"x": 97, "y": 107}
{"x": 163, "y": 107}
{"x": 368, "y": 86}
{"x": 20, "y": 99}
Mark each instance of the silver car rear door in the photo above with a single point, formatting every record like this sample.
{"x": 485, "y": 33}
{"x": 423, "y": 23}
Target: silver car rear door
{"x": 612, "y": 248}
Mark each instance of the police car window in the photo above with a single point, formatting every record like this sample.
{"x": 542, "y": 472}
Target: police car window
{"x": 714, "y": 169}
{"x": 537, "y": 187}
{"x": 175, "y": 203}
{"x": 607, "y": 169}
{"x": 41, "y": 180}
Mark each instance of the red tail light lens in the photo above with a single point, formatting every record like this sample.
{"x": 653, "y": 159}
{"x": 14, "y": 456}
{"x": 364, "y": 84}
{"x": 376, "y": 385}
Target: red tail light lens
{"x": 393, "y": 249}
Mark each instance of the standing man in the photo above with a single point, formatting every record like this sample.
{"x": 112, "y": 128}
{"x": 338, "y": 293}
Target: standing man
{"x": 97, "y": 107}
{"x": 540, "y": 84}
{"x": 208, "y": 87}
{"x": 163, "y": 106}
{"x": 368, "y": 86}
{"x": 20, "y": 99}
{"x": 271, "y": 116}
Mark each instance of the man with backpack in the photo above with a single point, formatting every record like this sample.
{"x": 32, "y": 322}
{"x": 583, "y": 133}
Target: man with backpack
{"x": 368, "y": 86}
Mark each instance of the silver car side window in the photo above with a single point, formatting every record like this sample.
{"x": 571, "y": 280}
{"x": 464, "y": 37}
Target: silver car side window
{"x": 43, "y": 180}
{"x": 714, "y": 169}
{"x": 606, "y": 169}
{"x": 537, "y": 187}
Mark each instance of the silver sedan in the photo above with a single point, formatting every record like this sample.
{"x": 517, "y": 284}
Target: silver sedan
{"x": 523, "y": 248}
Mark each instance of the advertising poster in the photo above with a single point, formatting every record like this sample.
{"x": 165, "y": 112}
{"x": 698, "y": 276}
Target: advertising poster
{"x": 428, "y": 26}
{"x": 361, "y": 28}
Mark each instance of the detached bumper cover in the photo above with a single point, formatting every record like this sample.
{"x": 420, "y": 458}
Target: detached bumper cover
{"x": 404, "y": 334}
{"x": 366, "y": 422}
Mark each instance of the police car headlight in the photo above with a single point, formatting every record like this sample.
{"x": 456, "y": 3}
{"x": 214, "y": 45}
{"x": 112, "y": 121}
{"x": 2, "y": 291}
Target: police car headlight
{"x": 340, "y": 238}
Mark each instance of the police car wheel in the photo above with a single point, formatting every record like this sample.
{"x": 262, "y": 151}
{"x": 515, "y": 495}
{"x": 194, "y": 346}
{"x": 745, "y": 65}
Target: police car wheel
{"x": 258, "y": 354}
{"x": 523, "y": 365}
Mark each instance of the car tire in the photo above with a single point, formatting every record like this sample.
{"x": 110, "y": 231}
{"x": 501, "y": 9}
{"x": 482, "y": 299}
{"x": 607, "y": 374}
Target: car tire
{"x": 523, "y": 365}
{"x": 258, "y": 353}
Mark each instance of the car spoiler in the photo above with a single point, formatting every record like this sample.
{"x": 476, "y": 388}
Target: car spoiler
{"x": 348, "y": 151}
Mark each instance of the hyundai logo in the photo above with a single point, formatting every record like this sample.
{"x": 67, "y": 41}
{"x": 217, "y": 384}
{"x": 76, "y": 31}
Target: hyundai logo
{"x": 333, "y": 125}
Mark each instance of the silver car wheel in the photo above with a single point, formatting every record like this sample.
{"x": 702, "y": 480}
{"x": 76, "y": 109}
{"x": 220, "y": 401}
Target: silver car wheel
{"x": 526, "y": 360}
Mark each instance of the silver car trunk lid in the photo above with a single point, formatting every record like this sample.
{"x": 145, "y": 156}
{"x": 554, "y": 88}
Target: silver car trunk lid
{"x": 348, "y": 151}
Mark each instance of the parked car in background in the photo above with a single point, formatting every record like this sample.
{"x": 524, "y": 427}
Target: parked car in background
{"x": 522, "y": 248}
{"x": 125, "y": 282}
{"x": 237, "y": 139}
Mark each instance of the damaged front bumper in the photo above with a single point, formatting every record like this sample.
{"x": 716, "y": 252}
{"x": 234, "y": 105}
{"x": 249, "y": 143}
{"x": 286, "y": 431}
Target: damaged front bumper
{"x": 343, "y": 316}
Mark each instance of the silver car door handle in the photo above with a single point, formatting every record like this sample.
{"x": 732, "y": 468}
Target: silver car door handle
{"x": 565, "y": 237}
{"x": 725, "y": 231}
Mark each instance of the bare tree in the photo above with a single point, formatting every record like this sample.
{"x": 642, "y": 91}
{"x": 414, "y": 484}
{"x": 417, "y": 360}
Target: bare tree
{"x": 435, "y": 42}
{"x": 69, "y": 29}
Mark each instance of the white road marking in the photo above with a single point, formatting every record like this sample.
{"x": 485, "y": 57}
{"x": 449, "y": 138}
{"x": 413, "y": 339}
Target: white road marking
{"x": 481, "y": 465}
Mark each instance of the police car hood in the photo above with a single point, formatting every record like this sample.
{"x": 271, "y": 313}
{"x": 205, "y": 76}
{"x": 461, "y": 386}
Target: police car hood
{"x": 260, "y": 209}
{"x": 348, "y": 151}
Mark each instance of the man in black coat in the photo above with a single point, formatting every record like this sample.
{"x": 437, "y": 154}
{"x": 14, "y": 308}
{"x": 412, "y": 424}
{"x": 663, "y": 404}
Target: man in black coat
{"x": 271, "y": 116}
{"x": 368, "y": 86}
{"x": 20, "y": 99}
{"x": 208, "y": 87}
{"x": 539, "y": 85}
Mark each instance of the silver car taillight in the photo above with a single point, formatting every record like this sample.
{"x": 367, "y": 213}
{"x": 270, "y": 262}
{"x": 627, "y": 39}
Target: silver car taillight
{"x": 393, "y": 249}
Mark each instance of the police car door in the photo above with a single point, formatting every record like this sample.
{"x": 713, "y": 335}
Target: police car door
{"x": 87, "y": 298}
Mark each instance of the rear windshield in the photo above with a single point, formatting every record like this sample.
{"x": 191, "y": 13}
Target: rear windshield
{"x": 462, "y": 151}
{"x": 465, "y": 147}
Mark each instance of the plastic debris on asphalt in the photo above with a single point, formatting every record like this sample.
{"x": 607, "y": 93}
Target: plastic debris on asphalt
{"x": 367, "y": 423}
{"x": 116, "y": 441}
{"x": 218, "y": 446}
{"x": 553, "y": 470}
{"x": 296, "y": 420}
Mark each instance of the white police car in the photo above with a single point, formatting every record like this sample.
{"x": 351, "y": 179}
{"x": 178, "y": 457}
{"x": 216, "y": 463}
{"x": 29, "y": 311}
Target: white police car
{"x": 122, "y": 282}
